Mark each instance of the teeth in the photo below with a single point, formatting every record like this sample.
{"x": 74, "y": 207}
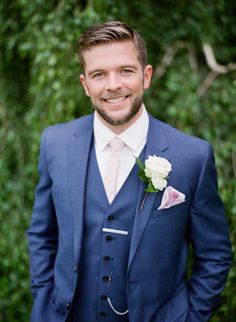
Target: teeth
{"x": 116, "y": 100}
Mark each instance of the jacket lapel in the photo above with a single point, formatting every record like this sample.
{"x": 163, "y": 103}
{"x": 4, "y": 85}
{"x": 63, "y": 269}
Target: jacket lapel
{"x": 156, "y": 145}
{"x": 78, "y": 158}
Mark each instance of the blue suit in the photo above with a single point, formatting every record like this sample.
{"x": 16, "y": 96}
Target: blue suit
{"x": 156, "y": 283}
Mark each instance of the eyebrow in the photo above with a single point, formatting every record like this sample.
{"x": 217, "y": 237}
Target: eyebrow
{"x": 130, "y": 66}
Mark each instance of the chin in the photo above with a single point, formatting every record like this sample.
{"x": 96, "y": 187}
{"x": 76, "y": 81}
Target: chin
{"x": 118, "y": 116}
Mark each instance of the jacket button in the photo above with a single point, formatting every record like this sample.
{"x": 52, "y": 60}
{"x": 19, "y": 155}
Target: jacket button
{"x": 105, "y": 278}
{"x": 110, "y": 217}
{"x": 68, "y": 305}
{"x": 106, "y": 259}
{"x": 103, "y": 297}
{"x": 103, "y": 314}
{"x": 76, "y": 269}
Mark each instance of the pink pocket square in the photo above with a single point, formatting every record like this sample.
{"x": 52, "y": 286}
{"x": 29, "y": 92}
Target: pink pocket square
{"x": 171, "y": 197}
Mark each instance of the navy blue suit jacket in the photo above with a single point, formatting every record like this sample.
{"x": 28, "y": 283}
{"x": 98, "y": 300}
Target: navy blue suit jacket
{"x": 157, "y": 287}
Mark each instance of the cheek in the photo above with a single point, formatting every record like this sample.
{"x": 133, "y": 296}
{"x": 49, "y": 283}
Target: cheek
{"x": 95, "y": 91}
{"x": 135, "y": 86}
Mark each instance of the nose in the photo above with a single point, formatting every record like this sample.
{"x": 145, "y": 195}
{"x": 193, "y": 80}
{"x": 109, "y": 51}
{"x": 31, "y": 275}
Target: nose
{"x": 113, "y": 82}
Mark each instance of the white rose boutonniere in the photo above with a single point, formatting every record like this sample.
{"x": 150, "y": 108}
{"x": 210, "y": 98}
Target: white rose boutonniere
{"x": 154, "y": 171}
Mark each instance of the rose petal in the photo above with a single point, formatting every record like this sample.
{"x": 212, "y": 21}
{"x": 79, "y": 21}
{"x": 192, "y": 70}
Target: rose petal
{"x": 159, "y": 184}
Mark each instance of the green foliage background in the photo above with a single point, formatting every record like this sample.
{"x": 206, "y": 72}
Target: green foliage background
{"x": 39, "y": 85}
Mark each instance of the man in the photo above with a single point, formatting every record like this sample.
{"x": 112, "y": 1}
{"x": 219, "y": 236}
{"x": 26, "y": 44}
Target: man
{"x": 101, "y": 248}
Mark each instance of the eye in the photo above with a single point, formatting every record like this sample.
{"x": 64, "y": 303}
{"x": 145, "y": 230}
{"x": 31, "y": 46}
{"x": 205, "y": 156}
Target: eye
{"x": 127, "y": 71}
{"x": 98, "y": 75}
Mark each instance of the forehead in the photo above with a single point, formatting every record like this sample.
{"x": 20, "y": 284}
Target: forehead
{"x": 114, "y": 54}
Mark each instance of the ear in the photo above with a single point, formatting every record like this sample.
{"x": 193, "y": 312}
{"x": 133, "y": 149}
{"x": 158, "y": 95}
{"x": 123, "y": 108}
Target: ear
{"x": 147, "y": 76}
{"x": 84, "y": 84}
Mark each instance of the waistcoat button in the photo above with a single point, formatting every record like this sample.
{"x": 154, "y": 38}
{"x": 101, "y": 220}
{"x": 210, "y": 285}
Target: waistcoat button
{"x": 106, "y": 258}
{"x": 103, "y": 314}
{"x": 109, "y": 238}
{"x": 110, "y": 217}
{"x": 103, "y": 297}
{"x": 105, "y": 278}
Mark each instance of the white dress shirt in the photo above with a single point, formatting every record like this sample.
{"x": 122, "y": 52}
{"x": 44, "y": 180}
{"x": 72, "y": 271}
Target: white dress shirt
{"x": 134, "y": 137}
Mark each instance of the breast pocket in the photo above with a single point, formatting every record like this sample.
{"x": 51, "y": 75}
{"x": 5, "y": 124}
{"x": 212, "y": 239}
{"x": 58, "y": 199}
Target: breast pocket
{"x": 174, "y": 210}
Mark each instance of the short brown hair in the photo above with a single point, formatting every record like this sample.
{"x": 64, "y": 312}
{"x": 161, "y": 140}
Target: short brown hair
{"x": 109, "y": 32}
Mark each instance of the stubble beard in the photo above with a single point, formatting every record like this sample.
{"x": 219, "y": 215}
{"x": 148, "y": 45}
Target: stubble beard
{"x": 135, "y": 107}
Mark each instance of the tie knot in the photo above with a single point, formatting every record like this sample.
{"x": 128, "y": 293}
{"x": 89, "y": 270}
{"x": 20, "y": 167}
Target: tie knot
{"x": 116, "y": 144}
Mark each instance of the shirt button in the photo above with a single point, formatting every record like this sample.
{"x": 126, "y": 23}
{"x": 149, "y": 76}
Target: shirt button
{"x": 109, "y": 238}
{"x": 106, "y": 259}
{"x": 103, "y": 314}
{"x": 110, "y": 217}
{"x": 105, "y": 278}
{"x": 103, "y": 297}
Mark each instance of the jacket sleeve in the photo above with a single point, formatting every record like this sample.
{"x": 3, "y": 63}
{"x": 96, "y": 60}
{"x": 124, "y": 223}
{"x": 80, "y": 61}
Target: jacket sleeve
{"x": 43, "y": 231}
{"x": 209, "y": 235}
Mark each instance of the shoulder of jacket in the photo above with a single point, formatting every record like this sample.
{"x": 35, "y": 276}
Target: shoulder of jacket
{"x": 81, "y": 124}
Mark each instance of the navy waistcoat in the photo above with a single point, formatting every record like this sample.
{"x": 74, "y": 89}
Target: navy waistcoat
{"x": 104, "y": 259}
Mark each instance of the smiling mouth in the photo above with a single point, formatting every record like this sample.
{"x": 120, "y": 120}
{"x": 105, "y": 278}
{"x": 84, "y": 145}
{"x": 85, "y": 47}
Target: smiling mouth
{"x": 116, "y": 100}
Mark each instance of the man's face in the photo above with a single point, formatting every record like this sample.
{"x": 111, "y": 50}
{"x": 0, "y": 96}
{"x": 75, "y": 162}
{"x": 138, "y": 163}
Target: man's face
{"x": 115, "y": 82}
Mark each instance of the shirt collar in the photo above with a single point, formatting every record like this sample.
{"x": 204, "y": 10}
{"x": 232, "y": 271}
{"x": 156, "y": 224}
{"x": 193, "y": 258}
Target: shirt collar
{"x": 132, "y": 137}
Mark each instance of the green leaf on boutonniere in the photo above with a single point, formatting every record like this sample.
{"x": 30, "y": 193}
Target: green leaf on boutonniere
{"x": 141, "y": 172}
{"x": 150, "y": 187}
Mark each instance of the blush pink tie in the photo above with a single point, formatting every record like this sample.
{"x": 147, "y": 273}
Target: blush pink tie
{"x": 111, "y": 175}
